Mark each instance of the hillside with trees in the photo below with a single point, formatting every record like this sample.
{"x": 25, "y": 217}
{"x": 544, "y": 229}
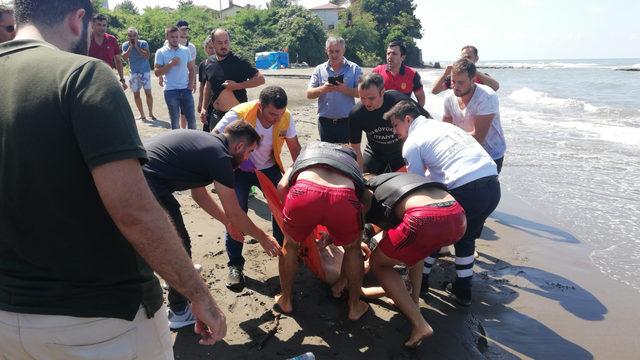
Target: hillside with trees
{"x": 367, "y": 26}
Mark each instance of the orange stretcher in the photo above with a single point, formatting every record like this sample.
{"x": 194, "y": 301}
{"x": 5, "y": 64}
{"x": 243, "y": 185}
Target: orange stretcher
{"x": 308, "y": 250}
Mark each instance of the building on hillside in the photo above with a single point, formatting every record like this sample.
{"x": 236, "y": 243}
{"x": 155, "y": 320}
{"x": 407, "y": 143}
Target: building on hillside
{"x": 230, "y": 10}
{"x": 329, "y": 14}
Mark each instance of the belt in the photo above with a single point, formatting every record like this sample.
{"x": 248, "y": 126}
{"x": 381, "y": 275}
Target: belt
{"x": 334, "y": 121}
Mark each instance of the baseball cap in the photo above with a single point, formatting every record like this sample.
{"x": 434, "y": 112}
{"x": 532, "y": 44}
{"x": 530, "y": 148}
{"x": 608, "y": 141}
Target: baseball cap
{"x": 182, "y": 23}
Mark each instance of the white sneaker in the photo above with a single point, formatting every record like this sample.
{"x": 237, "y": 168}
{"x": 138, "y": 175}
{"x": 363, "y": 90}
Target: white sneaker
{"x": 182, "y": 320}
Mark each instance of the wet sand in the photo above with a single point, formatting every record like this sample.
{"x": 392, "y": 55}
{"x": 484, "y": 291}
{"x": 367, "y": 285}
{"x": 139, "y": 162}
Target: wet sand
{"x": 536, "y": 293}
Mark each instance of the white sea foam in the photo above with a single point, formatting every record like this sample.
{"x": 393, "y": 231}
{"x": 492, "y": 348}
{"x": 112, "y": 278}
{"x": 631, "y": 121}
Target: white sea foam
{"x": 543, "y": 65}
{"x": 531, "y": 97}
{"x": 577, "y": 127}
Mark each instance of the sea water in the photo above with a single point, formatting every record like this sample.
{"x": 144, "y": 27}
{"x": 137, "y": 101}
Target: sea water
{"x": 573, "y": 149}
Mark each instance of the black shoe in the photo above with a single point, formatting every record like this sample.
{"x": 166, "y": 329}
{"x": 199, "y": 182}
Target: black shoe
{"x": 461, "y": 294}
{"x": 235, "y": 281}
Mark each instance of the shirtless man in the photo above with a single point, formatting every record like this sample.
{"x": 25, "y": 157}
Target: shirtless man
{"x": 417, "y": 217}
{"x": 322, "y": 188}
{"x": 470, "y": 53}
{"x": 227, "y": 76}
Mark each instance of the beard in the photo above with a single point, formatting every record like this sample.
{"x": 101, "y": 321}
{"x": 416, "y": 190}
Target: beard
{"x": 236, "y": 160}
{"x": 81, "y": 47}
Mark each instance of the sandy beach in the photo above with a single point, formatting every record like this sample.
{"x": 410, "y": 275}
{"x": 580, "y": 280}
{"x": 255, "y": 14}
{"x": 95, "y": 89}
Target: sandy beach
{"x": 536, "y": 294}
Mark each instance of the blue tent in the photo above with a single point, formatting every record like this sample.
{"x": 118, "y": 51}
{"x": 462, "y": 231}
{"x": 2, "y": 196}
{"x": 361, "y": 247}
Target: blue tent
{"x": 272, "y": 60}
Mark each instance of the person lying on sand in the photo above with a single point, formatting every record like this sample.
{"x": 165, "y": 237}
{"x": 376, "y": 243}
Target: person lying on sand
{"x": 322, "y": 187}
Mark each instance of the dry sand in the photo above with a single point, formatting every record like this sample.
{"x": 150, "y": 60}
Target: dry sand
{"x": 536, "y": 295}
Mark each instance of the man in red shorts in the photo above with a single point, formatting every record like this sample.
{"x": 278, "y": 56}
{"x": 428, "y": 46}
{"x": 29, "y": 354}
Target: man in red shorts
{"x": 417, "y": 217}
{"x": 322, "y": 188}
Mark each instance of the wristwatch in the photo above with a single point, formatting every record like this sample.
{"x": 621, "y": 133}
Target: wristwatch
{"x": 121, "y": 79}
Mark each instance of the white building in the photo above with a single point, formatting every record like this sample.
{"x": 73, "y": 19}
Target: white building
{"x": 230, "y": 10}
{"x": 329, "y": 14}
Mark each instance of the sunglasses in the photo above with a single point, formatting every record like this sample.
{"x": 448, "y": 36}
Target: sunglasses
{"x": 9, "y": 28}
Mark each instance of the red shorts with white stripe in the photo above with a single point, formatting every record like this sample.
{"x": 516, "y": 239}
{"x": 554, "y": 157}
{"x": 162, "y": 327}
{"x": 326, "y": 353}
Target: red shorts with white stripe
{"x": 423, "y": 230}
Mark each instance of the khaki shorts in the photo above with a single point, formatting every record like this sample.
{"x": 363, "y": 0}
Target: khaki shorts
{"x": 28, "y": 336}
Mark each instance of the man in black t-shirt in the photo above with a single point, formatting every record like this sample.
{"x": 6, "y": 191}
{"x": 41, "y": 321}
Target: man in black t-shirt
{"x": 80, "y": 231}
{"x": 226, "y": 71}
{"x": 383, "y": 152}
{"x": 190, "y": 160}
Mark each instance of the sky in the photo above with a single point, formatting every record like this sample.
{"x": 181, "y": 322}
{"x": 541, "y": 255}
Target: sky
{"x": 510, "y": 29}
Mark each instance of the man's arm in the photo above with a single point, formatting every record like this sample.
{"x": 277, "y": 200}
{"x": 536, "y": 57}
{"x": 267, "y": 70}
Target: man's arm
{"x": 256, "y": 80}
{"x": 489, "y": 81}
{"x": 343, "y": 88}
{"x": 283, "y": 185}
{"x": 440, "y": 86}
{"x": 482, "y": 124}
{"x": 191, "y": 66}
{"x": 203, "y": 198}
{"x": 413, "y": 158}
{"x": 420, "y": 96}
{"x": 294, "y": 147}
{"x": 117, "y": 59}
{"x": 356, "y": 148}
{"x": 315, "y": 92}
{"x": 145, "y": 52}
{"x": 133, "y": 208}
{"x": 241, "y": 221}
{"x": 126, "y": 53}
{"x": 204, "y": 101}
{"x": 160, "y": 70}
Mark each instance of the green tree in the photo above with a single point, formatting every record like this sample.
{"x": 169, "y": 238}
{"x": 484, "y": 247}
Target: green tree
{"x": 302, "y": 32}
{"x": 395, "y": 20}
{"x": 361, "y": 37}
{"x": 127, "y": 6}
{"x": 274, "y": 4}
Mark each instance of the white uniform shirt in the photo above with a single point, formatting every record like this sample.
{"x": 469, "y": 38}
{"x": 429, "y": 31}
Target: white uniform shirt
{"x": 445, "y": 153}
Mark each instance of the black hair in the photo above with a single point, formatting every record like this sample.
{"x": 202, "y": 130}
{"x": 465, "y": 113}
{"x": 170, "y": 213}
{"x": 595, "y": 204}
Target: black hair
{"x": 49, "y": 12}
{"x": 399, "y": 44}
{"x": 273, "y": 95}
{"x": 464, "y": 65}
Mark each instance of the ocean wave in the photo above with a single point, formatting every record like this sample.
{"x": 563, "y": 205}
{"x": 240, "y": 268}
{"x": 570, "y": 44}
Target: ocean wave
{"x": 634, "y": 67}
{"x": 582, "y": 128}
{"x": 532, "y": 97}
{"x": 543, "y": 65}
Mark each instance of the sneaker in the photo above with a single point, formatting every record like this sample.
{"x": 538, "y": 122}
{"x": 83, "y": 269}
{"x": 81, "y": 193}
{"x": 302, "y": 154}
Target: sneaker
{"x": 253, "y": 191}
{"x": 180, "y": 320}
{"x": 462, "y": 295}
{"x": 235, "y": 281}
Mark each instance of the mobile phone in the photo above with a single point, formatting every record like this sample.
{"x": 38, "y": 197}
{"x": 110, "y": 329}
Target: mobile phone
{"x": 334, "y": 80}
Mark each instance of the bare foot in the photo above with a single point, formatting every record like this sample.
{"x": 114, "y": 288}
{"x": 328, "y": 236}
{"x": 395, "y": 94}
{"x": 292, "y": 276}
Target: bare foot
{"x": 338, "y": 288}
{"x": 142, "y": 117}
{"x": 357, "y": 312}
{"x": 283, "y": 305}
{"x": 417, "y": 335}
{"x": 153, "y": 117}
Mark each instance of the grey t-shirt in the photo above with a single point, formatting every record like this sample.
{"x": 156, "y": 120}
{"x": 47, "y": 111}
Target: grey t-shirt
{"x": 186, "y": 159}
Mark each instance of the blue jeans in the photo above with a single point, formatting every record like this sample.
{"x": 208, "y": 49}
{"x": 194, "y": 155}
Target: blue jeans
{"x": 243, "y": 182}
{"x": 181, "y": 99}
